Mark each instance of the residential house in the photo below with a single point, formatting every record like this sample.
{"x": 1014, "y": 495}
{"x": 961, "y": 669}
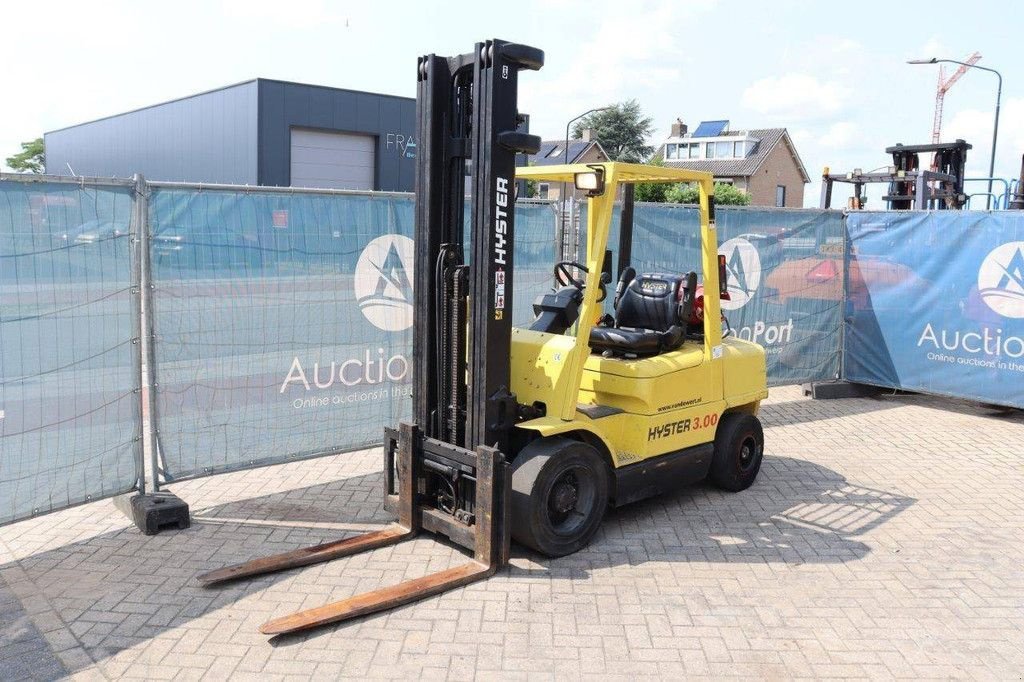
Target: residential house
{"x": 552, "y": 152}
{"x": 763, "y": 162}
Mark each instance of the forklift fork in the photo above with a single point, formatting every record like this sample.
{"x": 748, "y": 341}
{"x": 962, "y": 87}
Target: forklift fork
{"x": 487, "y": 536}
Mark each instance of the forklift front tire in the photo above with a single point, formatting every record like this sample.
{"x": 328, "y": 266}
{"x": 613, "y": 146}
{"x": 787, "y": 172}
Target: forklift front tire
{"x": 559, "y": 495}
{"x": 739, "y": 449}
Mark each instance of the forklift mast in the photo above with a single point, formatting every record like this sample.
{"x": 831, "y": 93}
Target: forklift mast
{"x": 467, "y": 116}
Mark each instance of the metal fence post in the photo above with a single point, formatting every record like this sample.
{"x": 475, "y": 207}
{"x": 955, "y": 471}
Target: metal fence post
{"x": 560, "y": 230}
{"x": 149, "y": 336}
{"x": 844, "y": 299}
{"x": 138, "y": 228}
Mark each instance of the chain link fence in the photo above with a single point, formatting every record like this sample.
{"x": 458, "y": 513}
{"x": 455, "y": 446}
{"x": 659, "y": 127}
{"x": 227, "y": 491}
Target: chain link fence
{"x": 935, "y": 303}
{"x": 283, "y": 320}
{"x": 784, "y": 269}
{"x": 70, "y": 363}
{"x": 276, "y": 323}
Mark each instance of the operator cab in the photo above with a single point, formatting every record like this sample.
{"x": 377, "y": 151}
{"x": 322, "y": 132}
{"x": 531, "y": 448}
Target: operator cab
{"x": 560, "y": 309}
{"x": 651, "y": 315}
{"x": 652, "y": 311}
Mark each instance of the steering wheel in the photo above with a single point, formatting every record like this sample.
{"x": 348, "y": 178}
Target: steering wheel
{"x": 564, "y": 277}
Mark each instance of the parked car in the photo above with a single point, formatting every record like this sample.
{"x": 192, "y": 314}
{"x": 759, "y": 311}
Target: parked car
{"x": 95, "y": 231}
{"x": 201, "y": 249}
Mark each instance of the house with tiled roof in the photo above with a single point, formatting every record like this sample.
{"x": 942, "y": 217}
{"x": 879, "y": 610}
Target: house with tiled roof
{"x": 553, "y": 152}
{"x": 763, "y": 162}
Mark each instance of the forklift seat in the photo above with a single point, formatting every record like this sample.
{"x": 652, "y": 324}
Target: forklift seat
{"x": 651, "y": 311}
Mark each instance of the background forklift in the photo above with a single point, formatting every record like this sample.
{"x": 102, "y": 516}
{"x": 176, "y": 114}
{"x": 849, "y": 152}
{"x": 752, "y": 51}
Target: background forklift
{"x": 532, "y": 433}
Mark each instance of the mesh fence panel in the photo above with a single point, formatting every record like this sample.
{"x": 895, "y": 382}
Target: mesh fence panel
{"x": 536, "y": 245}
{"x": 935, "y": 303}
{"x": 69, "y": 420}
{"x": 785, "y": 269}
{"x": 283, "y": 320}
{"x": 785, "y": 274}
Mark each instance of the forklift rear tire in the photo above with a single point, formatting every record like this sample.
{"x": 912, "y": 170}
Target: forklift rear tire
{"x": 739, "y": 449}
{"x": 559, "y": 495}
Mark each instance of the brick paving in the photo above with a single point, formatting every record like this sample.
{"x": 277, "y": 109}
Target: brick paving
{"x": 883, "y": 539}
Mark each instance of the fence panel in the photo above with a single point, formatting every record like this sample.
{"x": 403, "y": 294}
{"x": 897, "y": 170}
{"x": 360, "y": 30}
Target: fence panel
{"x": 785, "y": 271}
{"x": 936, "y": 303}
{"x": 283, "y": 320}
{"x": 536, "y": 248}
{"x": 69, "y": 405}
{"x": 785, "y": 277}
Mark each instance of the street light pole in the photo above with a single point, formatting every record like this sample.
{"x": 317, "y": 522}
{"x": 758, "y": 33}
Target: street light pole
{"x": 573, "y": 120}
{"x": 995, "y": 125}
{"x": 565, "y": 156}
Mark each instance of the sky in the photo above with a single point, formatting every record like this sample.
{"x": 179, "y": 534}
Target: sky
{"x": 833, "y": 74}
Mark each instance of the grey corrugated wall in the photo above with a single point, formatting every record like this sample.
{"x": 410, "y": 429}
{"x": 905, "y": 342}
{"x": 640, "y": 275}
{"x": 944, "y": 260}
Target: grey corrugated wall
{"x": 210, "y": 137}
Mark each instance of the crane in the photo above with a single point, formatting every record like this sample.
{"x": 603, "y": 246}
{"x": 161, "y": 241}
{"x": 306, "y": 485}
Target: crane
{"x": 944, "y": 85}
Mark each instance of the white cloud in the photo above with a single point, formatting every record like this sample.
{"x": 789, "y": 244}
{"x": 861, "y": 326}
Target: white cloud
{"x": 846, "y": 45}
{"x": 975, "y": 126}
{"x": 300, "y": 13}
{"x": 933, "y": 47}
{"x": 841, "y": 135}
{"x": 795, "y": 97}
{"x": 592, "y": 71}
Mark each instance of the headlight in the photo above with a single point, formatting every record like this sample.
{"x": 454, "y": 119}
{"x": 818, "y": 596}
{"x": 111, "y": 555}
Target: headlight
{"x": 591, "y": 182}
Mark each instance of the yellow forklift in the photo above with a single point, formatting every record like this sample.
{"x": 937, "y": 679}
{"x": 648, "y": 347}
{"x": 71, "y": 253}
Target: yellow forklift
{"x": 532, "y": 433}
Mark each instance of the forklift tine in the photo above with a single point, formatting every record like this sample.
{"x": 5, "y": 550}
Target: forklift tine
{"x": 306, "y": 556}
{"x": 379, "y": 600}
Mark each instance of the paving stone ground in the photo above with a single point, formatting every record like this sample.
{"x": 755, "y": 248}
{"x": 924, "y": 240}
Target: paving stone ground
{"x": 883, "y": 539}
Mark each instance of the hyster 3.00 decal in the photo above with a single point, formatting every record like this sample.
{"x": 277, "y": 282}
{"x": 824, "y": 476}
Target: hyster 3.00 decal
{"x": 681, "y": 426}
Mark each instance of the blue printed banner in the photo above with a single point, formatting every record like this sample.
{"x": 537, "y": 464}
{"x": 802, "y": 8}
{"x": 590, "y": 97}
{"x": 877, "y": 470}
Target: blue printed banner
{"x": 935, "y": 303}
{"x": 784, "y": 271}
{"x": 69, "y": 417}
{"x": 284, "y": 320}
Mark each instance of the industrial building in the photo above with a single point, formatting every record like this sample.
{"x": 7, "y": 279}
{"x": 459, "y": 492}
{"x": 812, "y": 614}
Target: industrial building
{"x": 260, "y": 132}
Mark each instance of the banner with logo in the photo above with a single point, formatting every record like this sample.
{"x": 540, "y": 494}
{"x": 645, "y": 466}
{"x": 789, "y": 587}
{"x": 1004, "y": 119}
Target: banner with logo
{"x": 283, "y": 320}
{"x": 784, "y": 272}
{"x": 936, "y": 303}
{"x": 69, "y": 417}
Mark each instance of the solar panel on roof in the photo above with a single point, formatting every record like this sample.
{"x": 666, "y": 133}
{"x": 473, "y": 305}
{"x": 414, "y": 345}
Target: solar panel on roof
{"x": 710, "y": 128}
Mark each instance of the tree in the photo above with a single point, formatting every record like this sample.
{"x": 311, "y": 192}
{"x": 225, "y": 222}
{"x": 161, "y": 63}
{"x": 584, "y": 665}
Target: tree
{"x": 531, "y": 189}
{"x": 725, "y": 195}
{"x": 31, "y": 159}
{"x": 622, "y": 130}
{"x": 531, "y": 185}
{"x": 652, "y": 191}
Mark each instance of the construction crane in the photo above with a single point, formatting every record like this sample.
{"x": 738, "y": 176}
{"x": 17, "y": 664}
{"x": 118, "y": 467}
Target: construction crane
{"x": 944, "y": 85}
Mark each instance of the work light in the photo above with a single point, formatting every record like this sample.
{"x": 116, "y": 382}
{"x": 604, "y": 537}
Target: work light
{"x": 591, "y": 182}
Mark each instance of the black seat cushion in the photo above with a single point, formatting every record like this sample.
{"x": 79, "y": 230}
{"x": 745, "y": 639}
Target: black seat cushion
{"x": 647, "y": 317}
{"x": 622, "y": 340}
{"x": 649, "y": 302}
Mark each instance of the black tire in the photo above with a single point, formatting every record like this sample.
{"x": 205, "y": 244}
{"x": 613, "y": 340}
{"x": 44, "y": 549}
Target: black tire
{"x": 559, "y": 495}
{"x": 739, "y": 449}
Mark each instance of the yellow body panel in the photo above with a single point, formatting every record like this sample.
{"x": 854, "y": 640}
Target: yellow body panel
{"x": 650, "y": 386}
{"x": 539, "y": 368}
{"x": 650, "y": 406}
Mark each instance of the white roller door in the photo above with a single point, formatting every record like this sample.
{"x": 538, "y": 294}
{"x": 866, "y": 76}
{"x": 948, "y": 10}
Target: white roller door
{"x": 332, "y": 160}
